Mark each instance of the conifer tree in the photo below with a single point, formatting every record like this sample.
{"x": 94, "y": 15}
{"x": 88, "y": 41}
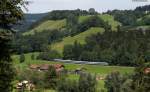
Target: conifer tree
{"x": 10, "y": 14}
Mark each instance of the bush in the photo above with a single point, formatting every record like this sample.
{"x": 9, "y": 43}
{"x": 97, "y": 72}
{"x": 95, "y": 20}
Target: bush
{"x": 36, "y": 77}
{"x": 86, "y": 83}
{"x": 50, "y": 55}
{"x": 114, "y": 82}
{"x": 50, "y": 78}
{"x": 33, "y": 57}
{"x": 65, "y": 85}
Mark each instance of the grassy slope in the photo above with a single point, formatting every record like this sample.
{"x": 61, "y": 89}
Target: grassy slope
{"x": 47, "y": 25}
{"x": 80, "y": 38}
{"x": 105, "y": 17}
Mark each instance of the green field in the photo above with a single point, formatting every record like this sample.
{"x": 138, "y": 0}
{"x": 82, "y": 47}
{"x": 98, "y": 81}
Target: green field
{"x": 93, "y": 69}
{"x": 80, "y": 38}
{"x": 47, "y": 25}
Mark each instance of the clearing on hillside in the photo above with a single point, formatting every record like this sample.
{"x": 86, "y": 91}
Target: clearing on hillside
{"x": 80, "y": 38}
{"x": 47, "y": 25}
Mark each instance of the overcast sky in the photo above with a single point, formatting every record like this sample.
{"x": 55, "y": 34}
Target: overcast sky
{"x": 42, "y": 6}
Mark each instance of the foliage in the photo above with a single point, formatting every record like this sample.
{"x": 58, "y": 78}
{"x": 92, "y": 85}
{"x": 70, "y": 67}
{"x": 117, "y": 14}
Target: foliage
{"x": 6, "y": 67}
{"x": 15, "y": 13}
{"x": 37, "y": 42}
{"x": 140, "y": 78}
{"x": 127, "y": 17}
{"x": 87, "y": 83}
{"x": 114, "y": 82}
{"x": 59, "y": 15}
{"x": 92, "y": 11}
{"x": 94, "y": 21}
{"x": 137, "y": 82}
{"x": 116, "y": 48}
{"x": 47, "y": 25}
{"x": 36, "y": 77}
{"x": 59, "y": 46}
{"x": 10, "y": 14}
{"x": 49, "y": 55}
{"x": 66, "y": 85}
{"x": 72, "y": 51}
{"x": 50, "y": 79}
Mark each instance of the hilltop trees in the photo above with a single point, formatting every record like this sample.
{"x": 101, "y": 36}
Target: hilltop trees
{"x": 92, "y": 11}
{"x": 10, "y": 13}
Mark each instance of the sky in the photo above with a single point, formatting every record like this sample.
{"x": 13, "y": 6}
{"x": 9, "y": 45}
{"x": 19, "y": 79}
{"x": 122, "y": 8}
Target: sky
{"x": 42, "y": 6}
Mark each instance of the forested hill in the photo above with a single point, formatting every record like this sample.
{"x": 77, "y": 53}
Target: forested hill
{"x": 29, "y": 19}
{"x": 87, "y": 35}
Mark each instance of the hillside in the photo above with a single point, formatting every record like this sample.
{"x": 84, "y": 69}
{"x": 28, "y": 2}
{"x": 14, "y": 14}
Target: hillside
{"x": 47, "y": 25}
{"x": 105, "y": 17}
{"x": 58, "y": 24}
{"x": 29, "y": 19}
{"x": 80, "y": 38}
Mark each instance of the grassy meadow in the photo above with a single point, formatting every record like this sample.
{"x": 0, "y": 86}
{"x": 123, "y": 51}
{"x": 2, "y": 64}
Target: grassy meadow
{"x": 93, "y": 69}
{"x": 80, "y": 38}
{"x": 47, "y": 25}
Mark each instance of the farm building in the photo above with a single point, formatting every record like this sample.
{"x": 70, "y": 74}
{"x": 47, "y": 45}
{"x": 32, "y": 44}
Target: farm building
{"x": 147, "y": 70}
{"x": 45, "y": 67}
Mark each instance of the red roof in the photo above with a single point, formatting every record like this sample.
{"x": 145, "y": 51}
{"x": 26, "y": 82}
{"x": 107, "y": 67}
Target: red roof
{"x": 57, "y": 66}
{"x": 46, "y": 66}
{"x": 34, "y": 66}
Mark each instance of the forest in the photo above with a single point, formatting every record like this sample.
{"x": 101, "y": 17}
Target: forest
{"x": 50, "y": 54}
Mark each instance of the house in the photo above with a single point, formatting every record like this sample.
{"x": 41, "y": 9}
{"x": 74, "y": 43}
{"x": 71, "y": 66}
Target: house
{"x": 44, "y": 67}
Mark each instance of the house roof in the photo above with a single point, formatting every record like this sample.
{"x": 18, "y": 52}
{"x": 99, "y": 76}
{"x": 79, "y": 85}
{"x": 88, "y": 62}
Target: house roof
{"x": 57, "y": 66}
{"x": 46, "y": 66}
{"x": 34, "y": 66}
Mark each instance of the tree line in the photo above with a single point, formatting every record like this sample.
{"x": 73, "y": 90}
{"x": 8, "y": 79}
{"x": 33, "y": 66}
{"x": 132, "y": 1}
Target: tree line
{"x": 116, "y": 48}
{"x": 130, "y": 17}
